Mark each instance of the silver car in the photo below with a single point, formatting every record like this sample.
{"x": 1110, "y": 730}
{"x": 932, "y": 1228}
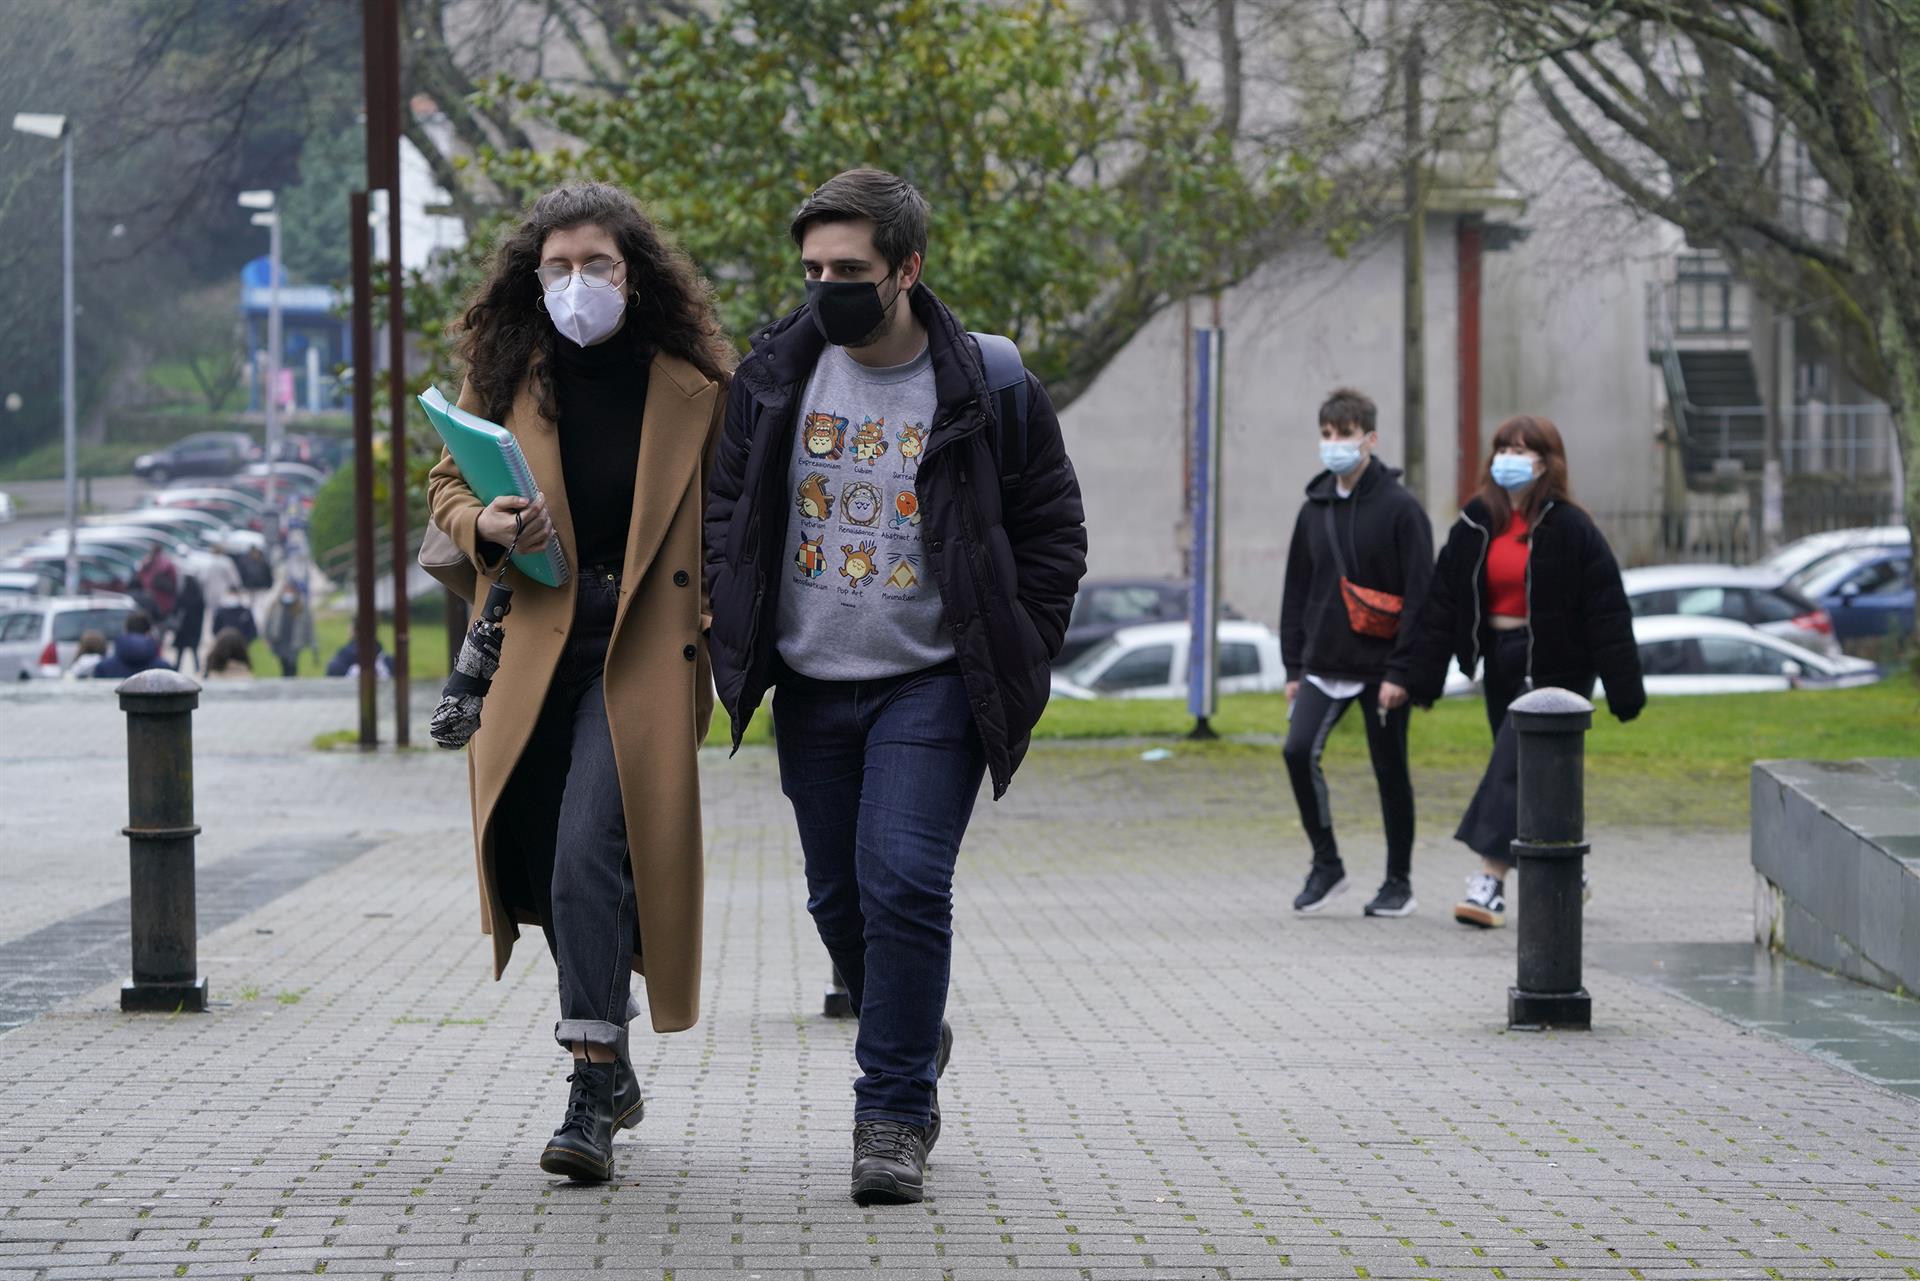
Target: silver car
{"x": 1757, "y": 597}
{"x": 40, "y": 635}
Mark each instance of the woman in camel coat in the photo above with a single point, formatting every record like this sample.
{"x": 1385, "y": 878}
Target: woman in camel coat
{"x": 596, "y": 345}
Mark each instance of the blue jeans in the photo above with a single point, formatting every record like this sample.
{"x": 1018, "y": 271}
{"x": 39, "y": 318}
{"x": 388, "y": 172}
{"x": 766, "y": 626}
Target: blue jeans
{"x": 585, "y": 894}
{"x": 883, "y": 775}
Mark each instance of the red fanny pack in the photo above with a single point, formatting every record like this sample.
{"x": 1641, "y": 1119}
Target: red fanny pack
{"x": 1370, "y": 611}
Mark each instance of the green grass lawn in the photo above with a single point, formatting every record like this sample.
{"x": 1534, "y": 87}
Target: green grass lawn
{"x": 1683, "y": 761}
{"x": 427, "y": 647}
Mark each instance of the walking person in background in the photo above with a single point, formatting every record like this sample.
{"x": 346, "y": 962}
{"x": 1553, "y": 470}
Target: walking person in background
{"x": 135, "y": 650}
{"x": 1357, "y": 572}
{"x": 595, "y": 343}
{"x": 1527, "y": 582}
{"x": 191, "y": 612}
{"x": 93, "y": 648}
{"x": 909, "y": 654}
{"x": 289, "y": 629}
{"x": 227, "y": 657}
{"x": 159, "y": 582}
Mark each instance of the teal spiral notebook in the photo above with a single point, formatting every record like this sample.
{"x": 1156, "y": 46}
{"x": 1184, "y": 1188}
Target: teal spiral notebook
{"x": 492, "y": 464}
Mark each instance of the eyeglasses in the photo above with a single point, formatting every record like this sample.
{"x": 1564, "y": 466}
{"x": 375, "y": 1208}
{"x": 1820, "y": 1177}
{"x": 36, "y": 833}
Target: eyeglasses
{"x": 601, "y": 273}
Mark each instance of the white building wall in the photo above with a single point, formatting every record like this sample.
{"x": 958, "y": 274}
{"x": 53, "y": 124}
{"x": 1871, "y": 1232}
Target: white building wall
{"x": 1302, "y": 326}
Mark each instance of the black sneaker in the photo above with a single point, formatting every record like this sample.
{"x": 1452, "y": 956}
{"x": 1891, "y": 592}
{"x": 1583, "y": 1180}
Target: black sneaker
{"x": 889, "y": 1163}
{"x": 1324, "y": 882}
{"x": 582, "y": 1148}
{"x": 1394, "y": 899}
{"x": 940, "y": 1057}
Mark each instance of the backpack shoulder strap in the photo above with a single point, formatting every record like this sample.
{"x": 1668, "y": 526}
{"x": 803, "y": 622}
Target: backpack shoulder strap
{"x": 1007, "y": 384}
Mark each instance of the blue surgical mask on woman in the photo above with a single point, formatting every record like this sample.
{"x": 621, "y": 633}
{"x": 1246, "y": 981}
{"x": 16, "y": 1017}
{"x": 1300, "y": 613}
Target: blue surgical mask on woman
{"x": 1513, "y": 471}
{"x": 1340, "y": 456}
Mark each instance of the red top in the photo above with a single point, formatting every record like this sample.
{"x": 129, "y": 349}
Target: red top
{"x": 1507, "y": 571}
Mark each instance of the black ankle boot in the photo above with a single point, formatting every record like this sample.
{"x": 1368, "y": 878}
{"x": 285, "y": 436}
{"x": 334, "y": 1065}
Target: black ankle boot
{"x": 889, "y": 1163}
{"x": 628, "y": 1107}
{"x": 582, "y": 1148}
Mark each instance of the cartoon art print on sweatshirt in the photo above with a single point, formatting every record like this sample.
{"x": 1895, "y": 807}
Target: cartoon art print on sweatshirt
{"x": 859, "y": 529}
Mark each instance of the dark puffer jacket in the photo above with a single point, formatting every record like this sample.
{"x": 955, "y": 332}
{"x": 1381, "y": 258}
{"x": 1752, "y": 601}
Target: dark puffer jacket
{"x": 1007, "y": 565}
{"x": 1577, "y": 610}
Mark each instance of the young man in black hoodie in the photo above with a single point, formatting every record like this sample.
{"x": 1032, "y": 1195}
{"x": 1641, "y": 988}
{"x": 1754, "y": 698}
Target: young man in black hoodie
{"x": 1361, "y": 539}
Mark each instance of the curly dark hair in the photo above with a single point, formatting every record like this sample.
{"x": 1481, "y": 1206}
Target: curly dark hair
{"x": 506, "y": 338}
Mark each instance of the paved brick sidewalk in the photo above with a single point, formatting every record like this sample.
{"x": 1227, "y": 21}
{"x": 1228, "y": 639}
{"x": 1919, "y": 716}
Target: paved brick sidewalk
{"x": 1158, "y": 1074}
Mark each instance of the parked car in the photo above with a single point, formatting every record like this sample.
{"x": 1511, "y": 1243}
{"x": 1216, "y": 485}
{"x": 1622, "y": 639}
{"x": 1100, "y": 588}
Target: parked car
{"x": 1698, "y": 655}
{"x": 41, "y": 637}
{"x": 1868, "y": 590}
{"x": 22, "y": 582}
{"x": 1804, "y": 554}
{"x": 102, "y": 569}
{"x": 298, "y": 476}
{"x": 1104, "y": 606}
{"x": 237, "y": 507}
{"x": 184, "y": 523}
{"x": 205, "y": 453}
{"x": 1150, "y": 661}
{"x": 1741, "y": 595}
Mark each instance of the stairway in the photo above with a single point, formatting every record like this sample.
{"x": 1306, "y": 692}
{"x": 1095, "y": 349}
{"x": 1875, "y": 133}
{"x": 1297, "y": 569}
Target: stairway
{"x": 1722, "y": 414}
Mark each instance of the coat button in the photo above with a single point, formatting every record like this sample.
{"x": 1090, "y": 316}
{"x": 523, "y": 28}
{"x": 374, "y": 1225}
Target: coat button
{"x": 934, "y": 546}
{"x": 680, "y": 578}
{"x": 688, "y": 653}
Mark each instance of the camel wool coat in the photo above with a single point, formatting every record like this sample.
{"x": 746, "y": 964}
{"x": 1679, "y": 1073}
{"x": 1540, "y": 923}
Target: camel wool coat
{"x": 659, "y": 687}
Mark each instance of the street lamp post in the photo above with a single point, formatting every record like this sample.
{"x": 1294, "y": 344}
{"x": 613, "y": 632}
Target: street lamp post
{"x": 269, "y": 217}
{"x": 55, "y": 127}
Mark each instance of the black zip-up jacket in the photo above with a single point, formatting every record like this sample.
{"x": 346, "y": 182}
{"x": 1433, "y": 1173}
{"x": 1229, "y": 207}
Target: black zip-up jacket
{"x": 1582, "y": 627}
{"x": 1007, "y": 566}
{"x": 1388, "y": 544}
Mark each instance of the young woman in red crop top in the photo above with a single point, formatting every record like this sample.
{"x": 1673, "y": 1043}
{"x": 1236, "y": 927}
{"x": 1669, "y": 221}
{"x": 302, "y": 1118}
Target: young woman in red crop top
{"x": 1526, "y": 585}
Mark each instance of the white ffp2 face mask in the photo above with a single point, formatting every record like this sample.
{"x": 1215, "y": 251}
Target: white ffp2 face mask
{"x": 586, "y": 313}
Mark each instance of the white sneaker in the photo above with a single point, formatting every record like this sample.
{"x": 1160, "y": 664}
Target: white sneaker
{"x": 1485, "y": 905}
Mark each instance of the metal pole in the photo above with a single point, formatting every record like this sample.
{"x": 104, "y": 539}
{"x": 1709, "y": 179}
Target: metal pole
{"x": 68, "y": 414}
{"x": 363, "y": 374}
{"x": 273, "y": 369}
{"x": 1204, "y": 608}
{"x": 1414, "y": 374}
{"x": 1552, "y": 726}
{"x": 384, "y": 105}
{"x": 159, "y": 706}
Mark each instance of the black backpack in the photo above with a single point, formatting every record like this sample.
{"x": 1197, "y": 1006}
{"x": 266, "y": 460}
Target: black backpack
{"x": 1007, "y": 384}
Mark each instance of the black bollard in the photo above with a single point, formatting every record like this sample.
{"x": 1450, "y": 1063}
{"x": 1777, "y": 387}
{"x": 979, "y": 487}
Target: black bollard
{"x": 1552, "y": 725}
{"x": 839, "y": 1001}
{"x": 159, "y": 706}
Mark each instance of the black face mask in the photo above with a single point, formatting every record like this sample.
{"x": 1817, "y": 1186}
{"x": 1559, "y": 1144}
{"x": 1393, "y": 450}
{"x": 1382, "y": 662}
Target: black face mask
{"x": 848, "y": 313}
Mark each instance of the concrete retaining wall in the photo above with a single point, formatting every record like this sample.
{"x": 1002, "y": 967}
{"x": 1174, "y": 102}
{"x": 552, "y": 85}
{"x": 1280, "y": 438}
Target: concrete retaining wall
{"x": 1836, "y": 857}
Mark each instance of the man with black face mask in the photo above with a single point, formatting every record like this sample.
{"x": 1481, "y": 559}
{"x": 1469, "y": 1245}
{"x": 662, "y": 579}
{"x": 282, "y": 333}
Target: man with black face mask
{"x": 876, "y": 556}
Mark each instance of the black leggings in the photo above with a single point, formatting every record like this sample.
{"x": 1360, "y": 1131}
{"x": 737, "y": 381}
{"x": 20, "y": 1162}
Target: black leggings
{"x": 1311, "y": 718}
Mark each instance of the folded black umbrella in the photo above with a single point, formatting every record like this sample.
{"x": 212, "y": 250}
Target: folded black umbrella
{"x": 458, "y": 715}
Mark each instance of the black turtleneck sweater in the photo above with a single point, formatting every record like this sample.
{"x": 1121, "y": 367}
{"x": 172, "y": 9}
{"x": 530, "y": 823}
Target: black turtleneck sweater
{"x": 602, "y": 394}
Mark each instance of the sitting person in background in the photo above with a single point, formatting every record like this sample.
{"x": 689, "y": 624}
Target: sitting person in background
{"x": 134, "y": 650}
{"x": 93, "y": 648}
{"x": 346, "y": 660}
{"x": 228, "y": 660}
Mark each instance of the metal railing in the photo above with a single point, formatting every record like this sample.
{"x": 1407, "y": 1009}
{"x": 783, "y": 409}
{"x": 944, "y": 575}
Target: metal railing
{"x": 1725, "y": 529}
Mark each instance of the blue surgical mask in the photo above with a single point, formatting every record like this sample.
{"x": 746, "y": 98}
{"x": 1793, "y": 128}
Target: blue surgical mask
{"x": 1340, "y": 456}
{"x": 1512, "y": 471}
